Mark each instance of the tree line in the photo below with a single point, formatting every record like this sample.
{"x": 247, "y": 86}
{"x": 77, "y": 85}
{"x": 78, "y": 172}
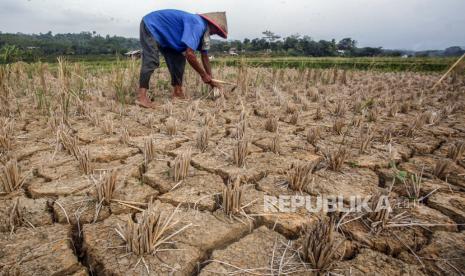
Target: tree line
{"x": 32, "y": 47}
{"x": 35, "y": 46}
{"x": 296, "y": 45}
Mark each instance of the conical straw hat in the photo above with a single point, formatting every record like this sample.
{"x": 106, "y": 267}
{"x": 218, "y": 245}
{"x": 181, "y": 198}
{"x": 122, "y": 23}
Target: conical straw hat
{"x": 218, "y": 19}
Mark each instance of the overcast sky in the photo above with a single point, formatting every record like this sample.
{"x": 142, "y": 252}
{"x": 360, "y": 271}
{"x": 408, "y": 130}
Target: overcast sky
{"x": 401, "y": 24}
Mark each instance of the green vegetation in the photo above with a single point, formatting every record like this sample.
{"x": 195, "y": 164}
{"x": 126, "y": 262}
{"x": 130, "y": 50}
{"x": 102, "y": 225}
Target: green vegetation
{"x": 96, "y": 52}
{"x": 25, "y": 47}
{"x": 389, "y": 64}
{"x": 366, "y": 63}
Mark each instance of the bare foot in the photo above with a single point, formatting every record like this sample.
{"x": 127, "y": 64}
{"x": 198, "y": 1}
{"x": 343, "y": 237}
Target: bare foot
{"x": 179, "y": 96}
{"x": 142, "y": 98}
{"x": 178, "y": 93}
{"x": 144, "y": 102}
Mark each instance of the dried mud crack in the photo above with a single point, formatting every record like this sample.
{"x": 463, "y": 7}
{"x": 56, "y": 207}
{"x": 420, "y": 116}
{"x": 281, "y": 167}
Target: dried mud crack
{"x": 77, "y": 180}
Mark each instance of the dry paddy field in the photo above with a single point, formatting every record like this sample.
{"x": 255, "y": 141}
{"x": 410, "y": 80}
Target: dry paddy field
{"x": 91, "y": 184}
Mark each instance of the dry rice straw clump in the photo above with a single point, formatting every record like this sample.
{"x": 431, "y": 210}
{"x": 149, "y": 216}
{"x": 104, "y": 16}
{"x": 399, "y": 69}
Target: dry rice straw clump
{"x": 10, "y": 177}
{"x": 105, "y": 187}
{"x": 336, "y": 158}
{"x": 151, "y": 232}
{"x": 338, "y": 126}
{"x": 440, "y": 168}
{"x": 271, "y": 124}
{"x": 456, "y": 151}
{"x": 275, "y": 145}
{"x": 6, "y": 135}
{"x": 320, "y": 248}
{"x": 313, "y": 134}
{"x": 149, "y": 151}
{"x": 299, "y": 175}
{"x": 201, "y": 139}
{"x": 181, "y": 165}
{"x": 232, "y": 197}
{"x": 85, "y": 162}
{"x": 240, "y": 152}
{"x": 171, "y": 126}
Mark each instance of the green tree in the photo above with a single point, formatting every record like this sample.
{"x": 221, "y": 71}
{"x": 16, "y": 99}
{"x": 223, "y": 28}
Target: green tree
{"x": 347, "y": 44}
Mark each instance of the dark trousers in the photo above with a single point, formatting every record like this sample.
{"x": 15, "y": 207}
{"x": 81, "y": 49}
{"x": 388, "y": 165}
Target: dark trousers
{"x": 175, "y": 61}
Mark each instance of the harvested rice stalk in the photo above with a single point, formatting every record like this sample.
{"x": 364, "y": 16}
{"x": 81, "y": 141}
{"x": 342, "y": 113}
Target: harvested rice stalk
{"x": 405, "y": 107}
{"x": 337, "y": 158}
{"x": 373, "y": 115}
{"x": 150, "y": 233}
{"x": 15, "y": 218}
{"x": 209, "y": 120}
{"x": 290, "y": 108}
{"x": 149, "y": 151}
{"x": 191, "y": 111}
{"x": 357, "y": 121}
{"x": 313, "y": 95}
{"x": 241, "y": 130}
{"x": 358, "y": 106}
{"x": 338, "y": 126}
{"x": 294, "y": 118}
{"x": 105, "y": 187}
{"x": 232, "y": 198}
{"x": 305, "y": 105}
{"x": 429, "y": 117}
{"x": 125, "y": 138}
{"x": 344, "y": 77}
{"x": 85, "y": 163}
{"x": 6, "y": 135}
{"x": 181, "y": 165}
{"x": 70, "y": 144}
{"x": 318, "y": 114}
{"x": 448, "y": 110}
{"x": 243, "y": 115}
{"x": 380, "y": 216}
{"x": 440, "y": 168}
{"x": 10, "y": 177}
{"x": 55, "y": 121}
{"x": 299, "y": 175}
{"x": 456, "y": 151}
{"x": 201, "y": 138}
{"x": 171, "y": 126}
{"x": 271, "y": 124}
{"x": 275, "y": 145}
{"x": 365, "y": 139}
{"x": 413, "y": 185}
{"x": 107, "y": 125}
{"x": 313, "y": 134}
{"x": 393, "y": 110}
{"x": 320, "y": 246}
{"x": 240, "y": 152}
{"x": 168, "y": 108}
{"x": 417, "y": 125}
{"x": 94, "y": 118}
{"x": 387, "y": 134}
{"x": 340, "y": 108}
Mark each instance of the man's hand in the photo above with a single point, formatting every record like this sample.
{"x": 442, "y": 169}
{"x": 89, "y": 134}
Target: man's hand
{"x": 206, "y": 78}
{"x": 205, "y": 74}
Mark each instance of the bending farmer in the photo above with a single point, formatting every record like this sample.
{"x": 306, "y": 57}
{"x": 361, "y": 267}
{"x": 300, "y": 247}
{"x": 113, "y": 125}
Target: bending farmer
{"x": 177, "y": 35}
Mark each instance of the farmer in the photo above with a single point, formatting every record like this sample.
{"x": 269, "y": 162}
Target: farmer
{"x": 177, "y": 35}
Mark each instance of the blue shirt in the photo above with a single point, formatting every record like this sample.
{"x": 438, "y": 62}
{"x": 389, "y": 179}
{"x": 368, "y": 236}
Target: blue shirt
{"x": 176, "y": 29}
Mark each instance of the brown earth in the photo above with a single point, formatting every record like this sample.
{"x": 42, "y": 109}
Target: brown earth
{"x": 60, "y": 229}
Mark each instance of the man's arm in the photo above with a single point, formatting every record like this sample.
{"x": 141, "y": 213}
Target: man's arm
{"x": 206, "y": 63}
{"x": 192, "y": 59}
